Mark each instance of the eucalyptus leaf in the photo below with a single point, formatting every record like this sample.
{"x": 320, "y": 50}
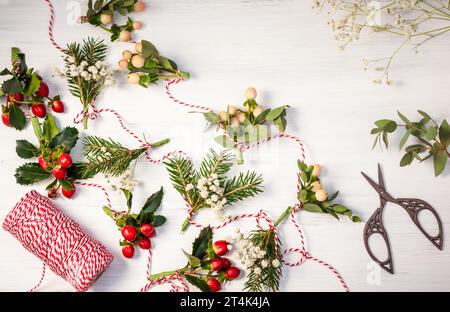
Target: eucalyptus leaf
{"x": 310, "y": 207}
{"x": 406, "y": 159}
{"x": 444, "y": 133}
{"x": 440, "y": 160}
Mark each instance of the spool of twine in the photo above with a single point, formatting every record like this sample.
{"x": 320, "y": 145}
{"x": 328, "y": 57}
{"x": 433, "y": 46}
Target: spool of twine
{"x": 57, "y": 240}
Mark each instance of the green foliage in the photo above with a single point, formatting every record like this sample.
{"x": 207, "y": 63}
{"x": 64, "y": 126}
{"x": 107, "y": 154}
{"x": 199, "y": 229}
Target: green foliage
{"x": 432, "y": 139}
{"x": 265, "y": 278}
{"x": 30, "y": 173}
{"x": 200, "y": 244}
{"x": 26, "y": 150}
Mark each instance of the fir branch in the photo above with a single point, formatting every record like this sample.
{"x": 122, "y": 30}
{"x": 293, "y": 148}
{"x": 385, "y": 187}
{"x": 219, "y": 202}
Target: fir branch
{"x": 93, "y": 50}
{"x": 107, "y": 156}
{"x": 215, "y": 163}
{"x": 243, "y": 186}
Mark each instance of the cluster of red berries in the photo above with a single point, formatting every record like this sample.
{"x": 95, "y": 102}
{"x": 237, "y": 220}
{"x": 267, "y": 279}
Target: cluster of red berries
{"x": 38, "y": 109}
{"x": 140, "y": 236}
{"x": 59, "y": 171}
{"x": 220, "y": 264}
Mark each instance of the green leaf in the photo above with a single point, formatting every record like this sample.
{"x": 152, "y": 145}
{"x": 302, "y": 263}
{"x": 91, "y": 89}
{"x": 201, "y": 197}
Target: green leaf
{"x": 49, "y": 129}
{"x": 431, "y": 133}
{"x": 312, "y": 207}
{"x": 339, "y": 208}
{"x": 66, "y": 184}
{"x": 404, "y": 138}
{"x": 67, "y": 139}
{"x": 149, "y": 50}
{"x": 17, "y": 117}
{"x": 375, "y": 130}
{"x": 197, "y": 282}
{"x": 26, "y": 150}
{"x": 98, "y": 5}
{"x": 153, "y": 202}
{"x": 386, "y": 124}
{"x": 224, "y": 141}
{"x": 37, "y": 128}
{"x": 444, "y": 133}
{"x": 128, "y": 197}
{"x": 275, "y": 113}
{"x": 415, "y": 148}
{"x": 12, "y": 86}
{"x": 356, "y": 219}
{"x": 30, "y": 173}
{"x": 403, "y": 118}
{"x": 167, "y": 63}
{"x": 280, "y": 123}
{"x": 200, "y": 245}
{"x": 262, "y": 117}
{"x": 158, "y": 220}
{"x": 211, "y": 117}
{"x": 424, "y": 115}
{"x": 302, "y": 195}
{"x": 51, "y": 185}
{"x": 108, "y": 211}
{"x": 32, "y": 86}
{"x": 406, "y": 159}
{"x": 333, "y": 196}
{"x": 194, "y": 262}
{"x": 440, "y": 160}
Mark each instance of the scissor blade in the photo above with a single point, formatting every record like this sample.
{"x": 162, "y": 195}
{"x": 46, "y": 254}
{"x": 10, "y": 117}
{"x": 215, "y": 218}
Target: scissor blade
{"x": 380, "y": 178}
{"x": 371, "y": 182}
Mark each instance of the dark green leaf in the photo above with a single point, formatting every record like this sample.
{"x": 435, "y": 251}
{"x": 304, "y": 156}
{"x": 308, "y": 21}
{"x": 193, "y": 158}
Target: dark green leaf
{"x": 66, "y": 184}
{"x": 158, "y": 220}
{"x": 403, "y": 118}
{"x": 149, "y": 50}
{"x": 339, "y": 208}
{"x": 26, "y": 150}
{"x": 444, "y": 133}
{"x": 356, "y": 219}
{"x": 200, "y": 245}
{"x": 17, "y": 117}
{"x": 404, "y": 138}
{"x": 32, "y": 86}
{"x": 197, "y": 282}
{"x": 12, "y": 86}
{"x": 406, "y": 159}
{"x": 130, "y": 221}
{"x": 431, "y": 133}
{"x": 280, "y": 123}
{"x": 440, "y": 160}
{"x": 49, "y": 128}
{"x": 67, "y": 139}
{"x": 51, "y": 185}
{"x": 153, "y": 202}
{"x": 30, "y": 173}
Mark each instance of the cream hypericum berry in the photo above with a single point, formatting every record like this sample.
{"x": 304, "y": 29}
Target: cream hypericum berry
{"x": 138, "y": 47}
{"x": 321, "y": 195}
{"x": 316, "y": 186}
{"x": 316, "y": 170}
{"x": 126, "y": 54}
{"x": 250, "y": 93}
{"x": 138, "y": 61}
{"x": 137, "y": 25}
{"x": 257, "y": 111}
{"x": 223, "y": 116}
{"x": 106, "y": 18}
{"x": 133, "y": 78}
{"x": 125, "y": 36}
{"x": 123, "y": 64}
{"x": 139, "y": 6}
{"x": 232, "y": 109}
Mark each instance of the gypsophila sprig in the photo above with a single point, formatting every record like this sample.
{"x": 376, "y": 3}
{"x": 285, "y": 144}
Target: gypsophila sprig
{"x": 209, "y": 187}
{"x": 86, "y": 72}
{"x": 206, "y": 268}
{"x": 433, "y": 140}
{"x": 314, "y": 198}
{"x": 110, "y": 157}
{"x": 415, "y": 22}
{"x": 101, "y": 14}
{"x": 260, "y": 252}
{"x": 248, "y": 124}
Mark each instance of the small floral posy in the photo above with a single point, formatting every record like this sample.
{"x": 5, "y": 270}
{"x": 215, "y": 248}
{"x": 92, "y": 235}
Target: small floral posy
{"x": 101, "y": 14}
{"x": 86, "y": 72}
{"x": 314, "y": 198}
{"x": 248, "y": 124}
{"x": 109, "y": 157}
{"x": 137, "y": 229}
{"x": 147, "y": 66}
{"x": 53, "y": 157}
{"x": 209, "y": 186}
{"x": 432, "y": 139}
{"x": 25, "y": 87}
{"x": 206, "y": 268}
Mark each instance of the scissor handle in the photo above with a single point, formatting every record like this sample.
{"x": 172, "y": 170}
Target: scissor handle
{"x": 414, "y": 206}
{"x": 374, "y": 226}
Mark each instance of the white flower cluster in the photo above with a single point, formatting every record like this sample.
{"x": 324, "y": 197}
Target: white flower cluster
{"x": 98, "y": 72}
{"x": 125, "y": 181}
{"x": 252, "y": 255}
{"x": 210, "y": 190}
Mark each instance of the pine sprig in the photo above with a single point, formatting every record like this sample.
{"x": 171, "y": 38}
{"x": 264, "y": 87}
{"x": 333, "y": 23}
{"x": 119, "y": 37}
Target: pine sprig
{"x": 243, "y": 186}
{"x": 181, "y": 174}
{"x": 265, "y": 278}
{"x": 215, "y": 163}
{"x": 107, "y": 156}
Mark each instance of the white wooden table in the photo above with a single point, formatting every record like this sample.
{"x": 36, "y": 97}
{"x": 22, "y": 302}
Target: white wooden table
{"x": 288, "y": 53}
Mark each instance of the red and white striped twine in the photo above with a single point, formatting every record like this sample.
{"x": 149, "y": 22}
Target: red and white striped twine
{"x": 58, "y": 241}
{"x": 50, "y": 26}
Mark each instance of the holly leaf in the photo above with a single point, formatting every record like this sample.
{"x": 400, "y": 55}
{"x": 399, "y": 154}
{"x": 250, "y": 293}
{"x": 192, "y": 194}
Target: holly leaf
{"x": 17, "y": 117}
{"x": 158, "y": 220}
{"x": 197, "y": 282}
{"x": 200, "y": 245}
{"x": 66, "y": 184}
{"x": 12, "y": 86}
{"x": 30, "y": 173}
{"x": 153, "y": 202}
{"x": 67, "y": 139}
{"x": 440, "y": 160}
{"x": 49, "y": 129}
{"x": 26, "y": 150}
{"x": 32, "y": 86}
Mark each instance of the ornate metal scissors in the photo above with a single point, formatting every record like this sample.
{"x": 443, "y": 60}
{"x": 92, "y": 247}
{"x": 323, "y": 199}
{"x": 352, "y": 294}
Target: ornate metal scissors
{"x": 375, "y": 224}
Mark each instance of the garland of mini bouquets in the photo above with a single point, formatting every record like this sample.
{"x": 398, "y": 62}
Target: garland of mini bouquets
{"x": 209, "y": 186}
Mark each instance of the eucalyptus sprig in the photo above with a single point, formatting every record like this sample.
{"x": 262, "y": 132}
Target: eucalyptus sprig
{"x": 101, "y": 14}
{"x": 206, "y": 269}
{"x": 86, "y": 72}
{"x": 109, "y": 157}
{"x": 314, "y": 198}
{"x": 432, "y": 139}
{"x": 146, "y": 66}
{"x": 248, "y": 124}
{"x": 209, "y": 186}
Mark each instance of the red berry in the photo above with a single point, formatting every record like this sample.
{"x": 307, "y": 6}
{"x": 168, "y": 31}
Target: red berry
{"x": 220, "y": 247}
{"x": 68, "y": 193}
{"x": 214, "y": 284}
{"x": 64, "y": 160}
{"x": 59, "y": 173}
{"x": 43, "y": 90}
{"x": 58, "y": 106}
{"x": 5, "y": 119}
{"x": 39, "y": 110}
{"x": 216, "y": 264}
{"x": 147, "y": 230}
{"x": 232, "y": 272}
{"x": 128, "y": 251}
{"x": 145, "y": 243}
{"x": 129, "y": 233}
{"x": 226, "y": 263}
{"x": 16, "y": 97}
{"x": 42, "y": 162}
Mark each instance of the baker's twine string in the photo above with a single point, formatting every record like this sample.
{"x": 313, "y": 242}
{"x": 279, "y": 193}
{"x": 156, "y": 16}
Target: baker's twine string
{"x": 304, "y": 255}
{"x": 57, "y": 240}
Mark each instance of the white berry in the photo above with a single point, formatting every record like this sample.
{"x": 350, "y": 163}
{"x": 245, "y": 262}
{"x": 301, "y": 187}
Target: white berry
{"x": 138, "y": 61}
{"x": 250, "y": 93}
